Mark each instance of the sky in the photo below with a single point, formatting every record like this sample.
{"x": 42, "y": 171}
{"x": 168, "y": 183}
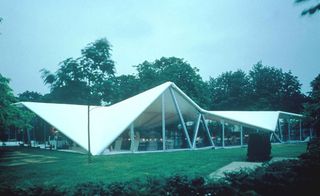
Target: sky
{"x": 213, "y": 35}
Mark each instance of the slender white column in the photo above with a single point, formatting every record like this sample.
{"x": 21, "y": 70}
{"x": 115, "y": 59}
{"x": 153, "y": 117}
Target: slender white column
{"x": 163, "y": 123}
{"x": 271, "y": 135}
{"x": 222, "y": 123}
{"x": 132, "y": 137}
{"x": 280, "y": 130}
{"x": 300, "y": 129}
{"x": 181, "y": 117}
{"x": 207, "y": 129}
{"x": 196, "y": 128}
{"x": 289, "y": 131}
{"x": 241, "y": 135}
{"x": 310, "y": 130}
{"x": 277, "y": 137}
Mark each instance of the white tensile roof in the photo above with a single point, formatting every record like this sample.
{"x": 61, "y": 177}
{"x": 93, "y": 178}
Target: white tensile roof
{"x": 266, "y": 120}
{"x": 108, "y": 122}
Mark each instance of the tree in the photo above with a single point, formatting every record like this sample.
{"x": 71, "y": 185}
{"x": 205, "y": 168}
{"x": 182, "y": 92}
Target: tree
{"x": 273, "y": 89}
{"x": 229, "y": 91}
{"x": 10, "y": 114}
{"x": 66, "y": 85}
{"x": 310, "y": 10}
{"x": 264, "y": 88}
{"x": 30, "y": 96}
{"x": 85, "y": 79}
{"x": 125, "y": 86}
{"x": 312, "y": 107}
{"x": 266, "y": 83}
{"x": 176, "y": 70}
{"x": 291, "y": 98}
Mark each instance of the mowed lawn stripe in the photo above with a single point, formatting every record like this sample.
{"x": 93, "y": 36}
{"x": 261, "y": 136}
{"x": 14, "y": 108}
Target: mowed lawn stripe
{"x": 20, "y": 167}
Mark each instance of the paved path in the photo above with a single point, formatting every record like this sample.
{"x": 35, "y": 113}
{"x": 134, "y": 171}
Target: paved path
{"x": 232, "y": 167}
{"x": 237, "y": 166}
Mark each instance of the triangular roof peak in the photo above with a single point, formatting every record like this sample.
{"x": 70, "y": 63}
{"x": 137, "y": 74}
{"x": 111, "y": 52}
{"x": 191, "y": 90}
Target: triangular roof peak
{"x": 153, "y": 92}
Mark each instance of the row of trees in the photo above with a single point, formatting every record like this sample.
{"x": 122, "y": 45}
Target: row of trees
{"x": 263, "y": 88}
{"x": 91, "y": 79}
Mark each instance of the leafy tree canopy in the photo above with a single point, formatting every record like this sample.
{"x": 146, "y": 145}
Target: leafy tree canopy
{"x": 273, "y": 89}
{"x": 313, "y": 9}
{"x": 85, "y": 79}
{"x": 264, "y": 88}
{"x": 30, "y": 96}
{"x": 125, "y": 86}
{"x": 230, "y": 91}
{"x": 10, "y": 114}
{"x": 176, "y": 70}
{"x": 312, "y": 107}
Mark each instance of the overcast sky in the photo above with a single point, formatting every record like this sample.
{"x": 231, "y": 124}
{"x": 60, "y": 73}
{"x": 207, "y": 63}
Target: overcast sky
{"x": 213, "y": 35}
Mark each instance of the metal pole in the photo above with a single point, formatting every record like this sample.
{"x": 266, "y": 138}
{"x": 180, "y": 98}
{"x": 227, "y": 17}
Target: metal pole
{"x": 89, "y": 149}
{"x": 222, "y": 122}
{"x": 280, "y": 130}
{"x": 300, "y": 129}
{"x": 132, "y": 137}
{"x": 163, "y": 123}
{"x": 289, "y": 131}
{"x": 277, "y": 137}
{"x": 28, "y": 135}
{"x": 271, "y": 135}
{"x": 241, "y": 136}
{"x": 207, "y": 129}
{"x": 180, "y": 116}
{"x": 310, "y": 130}
{"x": 44, "y": 132}
{"x": 196, "y": 128}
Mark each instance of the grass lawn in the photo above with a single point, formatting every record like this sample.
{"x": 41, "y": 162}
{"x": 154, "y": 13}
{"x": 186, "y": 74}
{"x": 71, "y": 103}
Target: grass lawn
{"x": 24, "y": 167}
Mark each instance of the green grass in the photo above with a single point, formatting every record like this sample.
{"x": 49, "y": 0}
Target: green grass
{"x": 24, "y": 167}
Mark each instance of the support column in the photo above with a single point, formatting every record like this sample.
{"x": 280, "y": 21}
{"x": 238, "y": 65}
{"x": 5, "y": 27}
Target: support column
{"x": 222, "y": 123}
{"x": 277, "y": 137}
{"x": 89, "y": 146}
{"x": 15, "y": 134}
{"x": 29, "y": 138}
{"x": 271, "y": 135}
{"x": 207, "y": 129}
{"x": 44, "y": 132}
{"x": 241, "y": 136}
{"x": 280, "y": 130}
{"x": 163, "y": 122}
{"x": 196, "y": 128}
{"x": 289, "y": 131}
{"x": 300, "y": 129}
{"x": 310, "y": 130}
{"x": 180, "y": 116}
{"x": 132, "y": 137}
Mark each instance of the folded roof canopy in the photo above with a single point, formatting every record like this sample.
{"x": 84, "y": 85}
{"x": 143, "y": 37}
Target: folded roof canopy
{"x": 108, "y": 122}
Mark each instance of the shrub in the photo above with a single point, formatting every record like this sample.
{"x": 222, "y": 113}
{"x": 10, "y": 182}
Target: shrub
{"x": 259, "y": 147}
